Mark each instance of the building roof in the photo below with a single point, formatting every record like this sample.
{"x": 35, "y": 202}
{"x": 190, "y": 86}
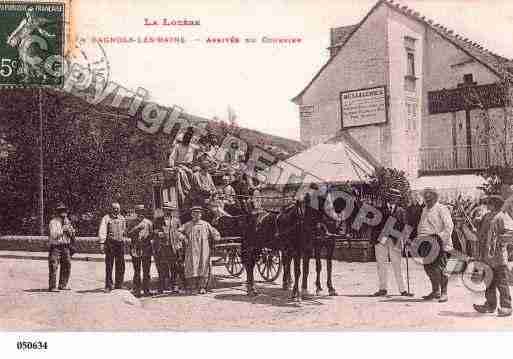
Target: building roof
{"x": 499, "y": 65}
{"x": 340, "y": 159}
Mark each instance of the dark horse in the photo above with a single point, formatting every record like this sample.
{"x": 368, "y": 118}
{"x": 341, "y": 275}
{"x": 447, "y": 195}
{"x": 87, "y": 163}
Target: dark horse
{"x": 320, "y": 232}
{"x": 275, "y": 230}
{"x": 316, "y": 227}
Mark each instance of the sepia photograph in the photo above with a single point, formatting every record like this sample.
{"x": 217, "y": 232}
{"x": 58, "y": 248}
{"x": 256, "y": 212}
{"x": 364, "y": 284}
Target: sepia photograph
{"x": 255, "y": 166}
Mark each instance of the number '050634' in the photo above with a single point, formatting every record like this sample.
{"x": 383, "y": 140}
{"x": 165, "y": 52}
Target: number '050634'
{"x": 28, "y": 345}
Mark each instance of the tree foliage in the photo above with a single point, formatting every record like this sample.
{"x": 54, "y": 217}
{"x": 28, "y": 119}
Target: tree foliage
{"x": 383, "y": 179}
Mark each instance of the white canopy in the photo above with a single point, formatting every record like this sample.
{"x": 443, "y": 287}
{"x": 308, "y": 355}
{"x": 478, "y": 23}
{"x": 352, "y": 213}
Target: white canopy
{"x": 325, "y": 162}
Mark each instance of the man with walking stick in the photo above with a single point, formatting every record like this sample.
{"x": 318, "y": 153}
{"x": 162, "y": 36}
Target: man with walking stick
{"x": 434, "y": 243}
{"x": 387, "y": 238}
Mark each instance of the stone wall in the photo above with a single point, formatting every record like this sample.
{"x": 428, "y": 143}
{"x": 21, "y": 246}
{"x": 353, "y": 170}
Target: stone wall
{"x": 87, "y": 245}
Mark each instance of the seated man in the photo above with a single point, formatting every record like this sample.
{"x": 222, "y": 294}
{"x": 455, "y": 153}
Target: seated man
{"x": 228, "y": 196}
{"x": 203, "y": 185}
{"x": 181, "y": 159}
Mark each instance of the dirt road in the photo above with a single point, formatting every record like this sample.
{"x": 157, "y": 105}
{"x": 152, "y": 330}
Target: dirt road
{"x": 27, "y": 306}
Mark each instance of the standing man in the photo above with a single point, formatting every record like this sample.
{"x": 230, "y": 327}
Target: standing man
{"x": 436, "y": 226}
{"x": 413, "y": 212}
{"x": 168, "y": 248}
{"x": 141, "y": 250}
{"x": 197, "y": 250}
{"x": 500, "y": 234}
{"x": 61, "y": 235}
{"x": 112, "y": 233}
{"x": 388, "y": 246}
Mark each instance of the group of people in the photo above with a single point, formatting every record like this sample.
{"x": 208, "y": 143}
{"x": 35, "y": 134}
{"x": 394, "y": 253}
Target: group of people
{"x": 193, "y": 164}
{"x": 180, "y": 252}
{"x": 431, "y": 227}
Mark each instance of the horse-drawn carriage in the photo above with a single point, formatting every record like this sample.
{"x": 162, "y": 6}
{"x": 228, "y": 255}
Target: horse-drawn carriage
{"x": 268, "y": 239}
{"x": 227, "y": 251}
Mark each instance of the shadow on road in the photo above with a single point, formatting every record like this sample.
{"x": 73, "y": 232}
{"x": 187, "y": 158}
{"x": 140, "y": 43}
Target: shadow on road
{"x": 402, "y": 300}
{"x": 450, "y": 313}
{"x": 275, "y": 297}
{"x": 223, "y": 282}
{"x": 86, "y": 291}
{"x": 37, "y": 290}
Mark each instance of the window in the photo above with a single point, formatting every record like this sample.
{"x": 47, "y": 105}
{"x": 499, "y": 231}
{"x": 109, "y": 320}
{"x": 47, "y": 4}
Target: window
{"x": 410, "y": 71}
{"x": 468, "y": 78}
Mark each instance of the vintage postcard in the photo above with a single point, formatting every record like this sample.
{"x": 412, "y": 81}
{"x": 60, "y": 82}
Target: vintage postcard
{"x": 255, "y": 166}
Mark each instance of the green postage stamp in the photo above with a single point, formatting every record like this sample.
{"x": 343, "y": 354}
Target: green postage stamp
{"x": 31, "y": 43}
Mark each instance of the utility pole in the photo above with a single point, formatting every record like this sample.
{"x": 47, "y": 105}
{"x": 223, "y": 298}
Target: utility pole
{"x": 41, "y": 167}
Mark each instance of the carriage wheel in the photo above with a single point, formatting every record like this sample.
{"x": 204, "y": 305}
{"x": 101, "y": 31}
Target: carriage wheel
{"x": 269, "y": 264}
{"x": 233, "y": 262}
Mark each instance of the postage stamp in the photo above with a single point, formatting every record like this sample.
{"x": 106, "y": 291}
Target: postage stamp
{"x": 30, "y": 36}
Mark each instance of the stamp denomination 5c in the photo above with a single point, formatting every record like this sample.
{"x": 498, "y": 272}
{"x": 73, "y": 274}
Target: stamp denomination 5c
{"x": 30, "y": 36}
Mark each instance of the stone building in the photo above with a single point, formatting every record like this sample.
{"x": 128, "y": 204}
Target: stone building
{"x": 416, "y": 95}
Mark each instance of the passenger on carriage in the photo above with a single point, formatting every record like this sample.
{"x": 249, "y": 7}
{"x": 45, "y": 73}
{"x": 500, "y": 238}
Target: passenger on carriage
{"x": 234, "y": 156}
{"x": 203, "y": 185}
{"x": 241, "y": 187}
{"x": 254, "y": 190}
{"x": 182, "y": 152}
{"x": 207, "y": 149}
{"x": 228, "y": 195}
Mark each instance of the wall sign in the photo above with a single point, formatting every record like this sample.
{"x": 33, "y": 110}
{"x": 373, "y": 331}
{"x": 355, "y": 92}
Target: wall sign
{"x": 465, "y": 98}
{"x": 363, "y": 107}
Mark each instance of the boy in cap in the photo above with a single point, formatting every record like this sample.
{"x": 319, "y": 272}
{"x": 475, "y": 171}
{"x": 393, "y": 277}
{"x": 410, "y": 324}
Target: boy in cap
{"x": 197, "y": 249}
{"x": 60, "y": 238}
{"x": 500, "y": 234}
{"x": 141, "y": 250}
{"x": 168, "y": 247}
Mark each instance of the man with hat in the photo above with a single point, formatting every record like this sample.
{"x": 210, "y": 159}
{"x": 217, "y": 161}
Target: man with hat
{"x": 61, "y": 234}
{"x": 203, "y": 184}
{"x": 388, "y": 246}
{"x": 112, "y": 233}
{"x": 168, "y": 249}
{"x": 495, "y": 254}
{"x": 141, "y": 250}
{"x": 435, "y": 226}
{"x": 197, "y": 249}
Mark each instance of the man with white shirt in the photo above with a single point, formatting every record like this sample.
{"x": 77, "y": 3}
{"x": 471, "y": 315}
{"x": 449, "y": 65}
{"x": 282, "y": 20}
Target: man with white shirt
{"x": 112, "y": 233}
{"x": 435, "y": 226}
{"x": 387, "y": 246}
